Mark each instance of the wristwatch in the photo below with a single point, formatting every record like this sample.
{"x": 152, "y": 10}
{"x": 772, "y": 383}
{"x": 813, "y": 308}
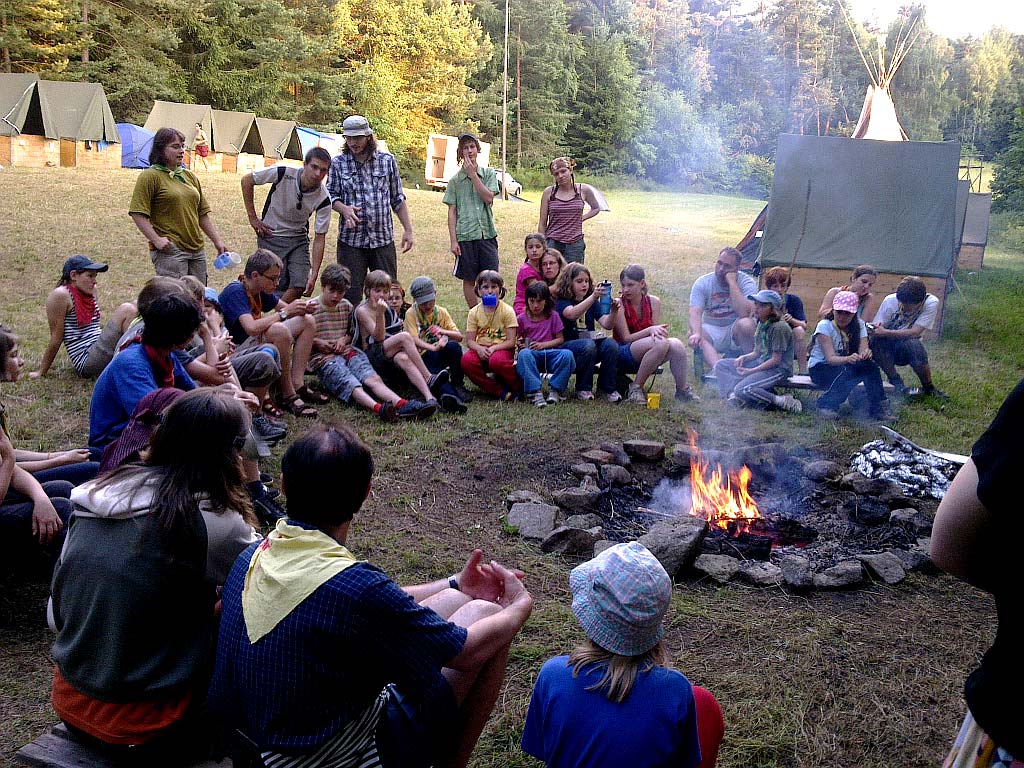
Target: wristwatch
{"x": 282, "y": 315}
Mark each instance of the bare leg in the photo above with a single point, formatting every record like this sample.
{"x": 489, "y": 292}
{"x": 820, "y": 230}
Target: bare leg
{"x": 250, "y": 470}
{"x": 709, "y": 353}
{"x": 361, "y": 397}
{"x": 124, "y": 315}
{"x": 376, "y": 385}
{"x": 303, "y": 329}
{"x": 800, "y": 341}
{"x": 469, "y": 291}
{"x": 403, "y": 361}
{"x": 650, "y": 353}
{"x": 677, "y": 352}
{"x": 281, "y": 338}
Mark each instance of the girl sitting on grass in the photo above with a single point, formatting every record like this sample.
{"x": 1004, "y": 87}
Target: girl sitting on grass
{"x": 529, "y": 271}
{"x": 491, "y": 332}
{"x": 584, "y": 331}
{"x": 748, "y": 379}
{"x": 644, "y": 343}
{"x": 539, "y": 338}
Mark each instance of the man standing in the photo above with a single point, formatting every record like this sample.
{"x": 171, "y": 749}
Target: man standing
{"x": 470, "y": 199}
{"x": 365, "y": 188}
{"x": 720, "y": 312}
{"x": 324, "y": 660}
{"x": 283, "y": 227}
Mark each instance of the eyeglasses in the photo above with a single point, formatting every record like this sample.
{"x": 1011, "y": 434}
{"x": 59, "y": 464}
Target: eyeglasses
{"x": 239, "y": 442}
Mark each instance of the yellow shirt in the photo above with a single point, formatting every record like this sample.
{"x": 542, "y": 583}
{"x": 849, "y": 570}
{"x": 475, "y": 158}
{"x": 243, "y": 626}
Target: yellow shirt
{"x": 418, "y": 325}
{"x": 490, "y": 327}
{"x": 173, "y": 206}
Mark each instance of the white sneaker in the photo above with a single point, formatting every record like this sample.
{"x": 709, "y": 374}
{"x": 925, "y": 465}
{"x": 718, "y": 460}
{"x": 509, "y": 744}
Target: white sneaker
{"x": 613, "y": 397}
{"x": 537, "y": 398}
{"x": 584, "y": 395}
{"x": 636, "y": 395}
{"x": 554, "y": 397}
{"x": 791, "y": 404}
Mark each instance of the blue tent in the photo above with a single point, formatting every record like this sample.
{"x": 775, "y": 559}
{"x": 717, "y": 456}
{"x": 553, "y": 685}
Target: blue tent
{"x": 135, "y": 145}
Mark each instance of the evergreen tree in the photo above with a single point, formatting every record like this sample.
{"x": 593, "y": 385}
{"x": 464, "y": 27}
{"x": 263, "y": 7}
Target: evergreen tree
{"x": 36, "y": 36}
{"x": 1008, "y": 179}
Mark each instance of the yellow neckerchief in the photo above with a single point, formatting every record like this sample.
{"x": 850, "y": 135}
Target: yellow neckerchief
{"x": 286, "y": 569}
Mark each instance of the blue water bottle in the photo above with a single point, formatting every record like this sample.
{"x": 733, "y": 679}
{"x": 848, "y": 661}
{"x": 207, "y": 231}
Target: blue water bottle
{"x": 226, "y": 259}
{"x": 604, "y": 303}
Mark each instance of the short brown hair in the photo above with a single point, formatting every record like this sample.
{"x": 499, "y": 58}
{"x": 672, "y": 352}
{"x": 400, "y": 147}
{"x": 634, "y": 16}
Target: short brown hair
{"x": 777, "y": 275}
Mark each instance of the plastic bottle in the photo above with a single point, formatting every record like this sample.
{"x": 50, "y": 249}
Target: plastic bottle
{"x": 604, "y": 303}
{"x": 226, "y": 259}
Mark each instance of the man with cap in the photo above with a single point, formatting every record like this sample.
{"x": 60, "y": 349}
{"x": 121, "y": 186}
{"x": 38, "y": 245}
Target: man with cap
{"x": 720, "y": 312}
{"x": 470, "y": 198}
{"x": 365, "y": 188}
{"x": 439, "y": 340}
{"x": 283, "y": 227}
{"x": 73, "y": 316}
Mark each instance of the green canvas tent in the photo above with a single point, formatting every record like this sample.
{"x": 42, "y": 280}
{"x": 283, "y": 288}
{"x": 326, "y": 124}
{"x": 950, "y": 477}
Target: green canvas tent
{"x": 17, "y": 97}
{"x": 183, "y": 117}
{"x": 55, "y": 109}
{"x": 279, "y": 138}
{"x": 235, "y": 133}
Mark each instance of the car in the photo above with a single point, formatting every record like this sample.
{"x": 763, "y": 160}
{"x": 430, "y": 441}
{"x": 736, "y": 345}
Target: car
{"x": 514, "y": 187}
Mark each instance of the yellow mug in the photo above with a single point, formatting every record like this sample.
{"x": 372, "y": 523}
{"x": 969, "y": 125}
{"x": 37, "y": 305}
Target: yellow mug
{"x": 653, "y": 400}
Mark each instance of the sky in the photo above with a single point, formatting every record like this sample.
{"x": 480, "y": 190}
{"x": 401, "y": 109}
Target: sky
{"x": 951, "y": 18}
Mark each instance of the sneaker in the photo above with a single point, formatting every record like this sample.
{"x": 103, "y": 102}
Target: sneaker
{"x": 791, "y": 404}
{"x": 911, "y": 392}
{"x": 451, "y": 404}
{"x": 935, "y": 392}
{"x": 613, "y": 397}
{"x": 266, "y": 431}
{"x": 463, "y": 394}
{"x": 438, "y": 380}
{"x": 417, "y": 409}
{"x": 585, "y": 395}
{"x": 267, "y": 509}
{"x": 266, "y": 479}
{"x": 636, "y": 395}
{"x": 387, "y": 412}
{"x": 427, "y": 409}
{"x": 537, "y": 398}
{"x": 555, "y": 397}
{"x": 687, "y": 395}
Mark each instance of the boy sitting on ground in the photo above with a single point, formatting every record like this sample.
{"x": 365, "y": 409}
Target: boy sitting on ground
{"x": 343, "y": 369}
{"x": 439, "y": 341}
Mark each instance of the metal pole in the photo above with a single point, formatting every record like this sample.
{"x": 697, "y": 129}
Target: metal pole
{"x": 504, "y": 114}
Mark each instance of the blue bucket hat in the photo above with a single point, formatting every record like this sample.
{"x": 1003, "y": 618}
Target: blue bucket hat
{"x": 620, "y": 598}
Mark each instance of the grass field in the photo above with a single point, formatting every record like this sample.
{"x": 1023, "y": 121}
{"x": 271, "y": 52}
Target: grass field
{"x": 870, "y": 678}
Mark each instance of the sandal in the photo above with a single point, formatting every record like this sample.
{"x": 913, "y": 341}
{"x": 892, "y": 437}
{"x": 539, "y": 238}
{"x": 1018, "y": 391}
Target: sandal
{"x": 311, "y": 395}
{"x": 271, "y": 409}
{"x": 296, "y": 407}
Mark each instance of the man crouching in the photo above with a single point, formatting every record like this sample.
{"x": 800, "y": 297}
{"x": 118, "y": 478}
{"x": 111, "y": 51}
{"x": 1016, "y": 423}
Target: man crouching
{"x": 325, "y": 660}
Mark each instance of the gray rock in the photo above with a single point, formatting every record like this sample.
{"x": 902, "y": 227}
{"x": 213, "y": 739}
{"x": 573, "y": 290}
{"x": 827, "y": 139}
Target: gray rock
{"x": 917, "y": 523}
{"x": 597, "y": 457}
{"x": 884, "y": 565}
{"x": 602, "y": 545}
{"x": 865, "y": 510}
{"x": 589, "y": 481}
{"x": 796, "y": 572}
{"x": 681, "y": 455}
{"x": 763, "y": 455}
{"x": 584, "y": 469}
{"x": 578, "y": 500}
{"x": 844, "y": 575}
{"x": 868, "y": 486}
{"x": 820, "y": 471}
{"x": 569, "y": 541}
{"x": 613, "y": 474}
{"x": 721, "y": 568}
{"x": 597, "y": 532}
{"x": 675, "y": 543}
{"x": 521, "y": 497}
{"x": 616, "y": 450}
{"x": 589, "y": 520}
{"x": 759, "y": 573}
{"x": 645, "y": 450}
{"x": 534, "y": 521}
{"x": 911, "y": 559}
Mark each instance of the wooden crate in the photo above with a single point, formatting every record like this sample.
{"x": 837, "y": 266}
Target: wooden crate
{"x": 811, "y": 285}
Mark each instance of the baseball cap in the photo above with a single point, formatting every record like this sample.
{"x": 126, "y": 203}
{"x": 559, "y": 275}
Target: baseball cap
{"x": 356, "y": 125}
{"x": 846, "y": 301}
{"x": 620, "y": 598}
{"x": 764, "y": 296}
{"x": 423, "y": 290}
{"x": 211, "y": 295}
{"x": 80, "y": 263}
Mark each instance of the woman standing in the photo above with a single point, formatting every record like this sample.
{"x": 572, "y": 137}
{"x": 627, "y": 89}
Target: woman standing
{"x": 201, "y": 144}
{"x": 169, "y": 208}
{"x": 561, "y": 210}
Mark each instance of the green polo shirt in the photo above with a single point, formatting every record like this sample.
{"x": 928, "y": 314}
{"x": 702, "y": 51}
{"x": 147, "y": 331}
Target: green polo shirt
{"x": 474, "y": 219}
{"x": 173, "y": 206}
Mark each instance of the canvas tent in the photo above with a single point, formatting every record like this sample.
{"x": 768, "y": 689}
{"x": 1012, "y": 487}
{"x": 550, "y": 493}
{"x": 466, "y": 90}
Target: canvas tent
{"x": 183, "y": 118}
{"x": 975, "y": 231}
{"x": 136, "y": 143}
{"x": 886, "y": 203}
{"x": 280, "y": 140}
{"x": 48, "y": 122}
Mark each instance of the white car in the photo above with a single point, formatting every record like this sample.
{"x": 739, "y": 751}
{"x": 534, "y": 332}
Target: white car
{"x": 514, "y": 187}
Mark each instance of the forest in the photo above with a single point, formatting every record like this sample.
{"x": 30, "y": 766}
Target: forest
{"x": 690, "y": 93}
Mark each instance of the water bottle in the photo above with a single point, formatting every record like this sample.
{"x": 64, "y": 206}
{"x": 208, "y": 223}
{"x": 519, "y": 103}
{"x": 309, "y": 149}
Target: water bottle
{"x": 226, "y": 259}
{"x": 604, "y": 303}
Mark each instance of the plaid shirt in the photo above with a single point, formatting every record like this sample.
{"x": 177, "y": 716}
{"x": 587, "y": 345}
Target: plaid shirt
{"x": 375, "y": 188}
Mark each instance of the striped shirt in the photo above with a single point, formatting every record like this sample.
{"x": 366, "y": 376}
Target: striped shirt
{"x": 79, "y": 339}
{"x": 565, "y": 218}
{"x": 375, "y": 188}
{"x": 331, "y": 324}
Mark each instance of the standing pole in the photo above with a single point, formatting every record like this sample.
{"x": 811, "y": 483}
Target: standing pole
{"x": 504, "y": 114}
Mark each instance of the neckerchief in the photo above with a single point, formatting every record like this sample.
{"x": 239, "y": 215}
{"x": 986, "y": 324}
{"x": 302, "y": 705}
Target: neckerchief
{"x": 290, "y": 564}
{"x": 255, "y": 305}
{"x": 163, "y": 366}
{"x": 85, "y": 306}
{"x": 178, "y": 173}
{"x": 424, "y": 324}
{"x": 646, "y": 318}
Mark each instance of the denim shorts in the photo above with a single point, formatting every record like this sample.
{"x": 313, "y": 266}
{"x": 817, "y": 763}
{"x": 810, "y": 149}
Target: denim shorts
{"x": 342, "y": 376}
{"x": 626, "y": 362}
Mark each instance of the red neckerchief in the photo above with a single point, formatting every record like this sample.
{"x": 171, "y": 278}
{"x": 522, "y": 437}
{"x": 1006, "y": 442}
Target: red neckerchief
{"x": 255, "y": 305}
{"x": 163, "y": 367}
{"x": 85, "y": 306}
{"x": 646, "y": 318}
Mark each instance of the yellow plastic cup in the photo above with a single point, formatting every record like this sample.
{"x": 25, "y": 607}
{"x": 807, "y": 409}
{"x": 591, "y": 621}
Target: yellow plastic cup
{"x": 653, "y": 400}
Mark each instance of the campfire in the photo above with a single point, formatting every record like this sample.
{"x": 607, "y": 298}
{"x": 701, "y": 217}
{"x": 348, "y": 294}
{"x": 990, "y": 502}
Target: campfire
{"x": 720, "y": 496}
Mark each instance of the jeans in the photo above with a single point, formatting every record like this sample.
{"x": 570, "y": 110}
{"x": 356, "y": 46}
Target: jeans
{"x": 451, "y": 358}
{"x": 558, "y": 362}
{"x": 571, "y": 251}
{"x": 890, "y": 353}
{"x": 587, "y": 353}
{"x": 76, "y": 474}
{"x": 838, "y": 381}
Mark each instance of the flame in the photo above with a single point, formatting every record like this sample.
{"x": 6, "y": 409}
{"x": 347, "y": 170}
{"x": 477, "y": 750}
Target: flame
{"x": 727, "y": 504}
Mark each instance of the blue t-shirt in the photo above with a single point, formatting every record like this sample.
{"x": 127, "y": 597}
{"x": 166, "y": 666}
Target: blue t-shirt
{"x": 588, "y": 321}
{"x": 795, "y": 307}
{"x": 327, "y": 661}
{"x": 127, "y": 379}
{"x": 234, "y": 302}
{"x": 568, "y": 726}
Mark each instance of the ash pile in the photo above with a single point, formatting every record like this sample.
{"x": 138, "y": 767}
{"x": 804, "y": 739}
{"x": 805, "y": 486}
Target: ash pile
{"x": 920, "y": 475}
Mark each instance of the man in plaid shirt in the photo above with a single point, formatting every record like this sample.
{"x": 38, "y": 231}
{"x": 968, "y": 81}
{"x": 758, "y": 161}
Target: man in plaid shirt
{"x": 365, "y": 188}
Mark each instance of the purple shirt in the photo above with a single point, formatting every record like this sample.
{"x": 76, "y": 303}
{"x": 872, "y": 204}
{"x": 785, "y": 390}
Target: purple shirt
{"x": 543, "y": 330}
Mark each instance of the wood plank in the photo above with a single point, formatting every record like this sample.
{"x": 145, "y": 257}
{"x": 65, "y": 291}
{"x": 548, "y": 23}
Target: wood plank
{"x": 57, "y": 749}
